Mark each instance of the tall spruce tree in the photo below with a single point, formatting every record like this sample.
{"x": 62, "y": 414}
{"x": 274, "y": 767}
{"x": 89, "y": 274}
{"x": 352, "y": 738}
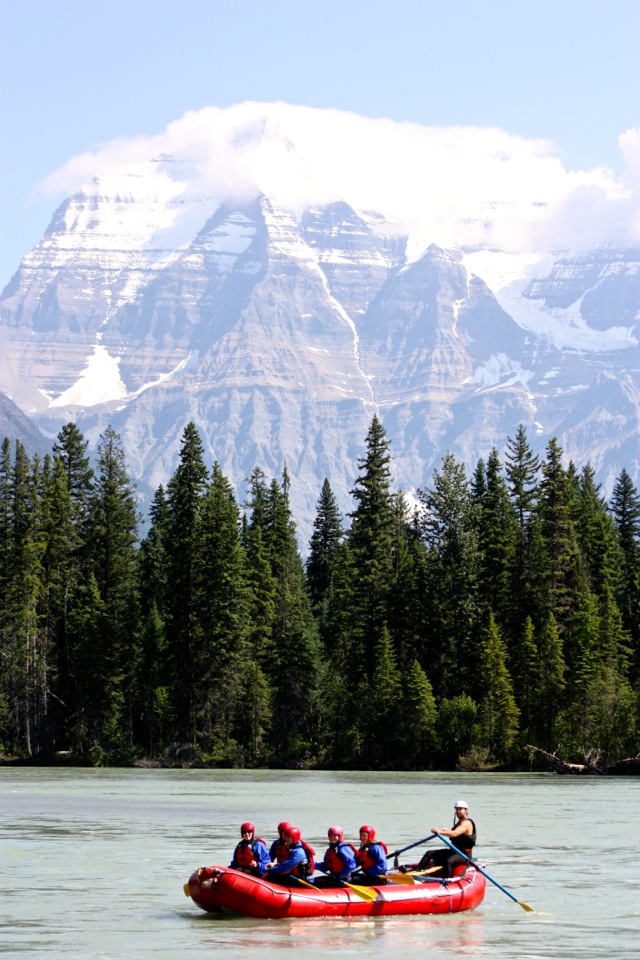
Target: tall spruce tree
{"x": 521, "y": 468}
{"x": 223, "y": 655}
{"x": 625, "y": 506}
{"x": 185, "y": 492}
{"x": 550, "y": 693}
{"x": 557, "y": 574}
{"x": 370, "y": 542}
{"x": 60, "y": 572}
{"x": 112, "y": 536}
{"x": 414, "y": 721}
{"x": 449, "y": 525}
{"x": 498, "y": 534}
{"x": 499, "y": 713}
{"x": 256, "y": 720}
{"x": 323, "y": 546}
{"x": 153, "y": 712}
{"x": 294, "y": 671}
{"x": 24, "y": 648}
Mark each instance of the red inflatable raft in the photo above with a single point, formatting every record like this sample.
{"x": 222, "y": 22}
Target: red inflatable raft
{"x": 237, "y": 892}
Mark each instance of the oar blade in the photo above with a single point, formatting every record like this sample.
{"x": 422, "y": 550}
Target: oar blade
{"x": 405, "y": 878}
{"x": 525, "y": 906}
{"x": 366, "y": 893}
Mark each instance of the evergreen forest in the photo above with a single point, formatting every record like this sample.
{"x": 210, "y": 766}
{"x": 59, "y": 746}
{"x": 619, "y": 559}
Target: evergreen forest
{"x": 492, "y": 611}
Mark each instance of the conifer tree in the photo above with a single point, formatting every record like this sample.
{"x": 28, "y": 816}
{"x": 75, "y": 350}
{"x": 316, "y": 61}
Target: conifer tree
{"x": 381, "y": 706}
{"x": 222, "y": 658}
{"x": 521, "y": 467}
{"x": 112, "y": 535}
{"x": 526, "y": 673}
{"x": 450, "y": 531}
{"x": 456, "y": 728}
{"x": 625, "y": 506}
{"x": 71, "y": 448}
{"x": 498, "y": 533}
{"x": 152, "y": 556}
{"x": 24, "y": 649}
{"x": 294, "y": 670}
{"x": 558, "y": 572}
{"x": 323, "y": 546}
{"x": 551, "y": 683}
{"x": 416, "y": 715}
{"x": 261, "y": 593}
{"x": 370, "y": 541}
{"x": 60, "y": 573}
{"x": 185, "y": 492}
{"x": 499, "y": 714}
{"x": 69, "y": 505}
{"x": 406, "y": 615}
{"x": 579, "y": 715}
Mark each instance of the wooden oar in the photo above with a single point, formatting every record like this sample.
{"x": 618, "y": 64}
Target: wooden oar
{"x": 525, "y": 906}
{"x": 364, "y": 892}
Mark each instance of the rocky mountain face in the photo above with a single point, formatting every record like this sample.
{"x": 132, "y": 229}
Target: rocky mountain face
{"x": 280, "y": 333}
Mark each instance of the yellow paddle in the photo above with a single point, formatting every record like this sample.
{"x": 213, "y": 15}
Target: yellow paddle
{"x": 410, "y": 879}
{"x": 364, "y": 892}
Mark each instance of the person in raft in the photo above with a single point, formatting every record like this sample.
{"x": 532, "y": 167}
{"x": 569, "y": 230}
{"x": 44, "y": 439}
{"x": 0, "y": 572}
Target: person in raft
{"x": 339, "y": 860}
{"x": 278, "y": 851}
{"x": 462, "y": 836}
{"x": 252, "y": 854}
{"x": 298, "y": 864}
{"x": 371, "y": 858}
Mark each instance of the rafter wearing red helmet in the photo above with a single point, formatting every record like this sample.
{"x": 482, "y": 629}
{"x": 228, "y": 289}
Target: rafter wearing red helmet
{"x": 371, "y": 857}
{"x": 278, "y": 851}
{"x": 339, "y": 860}
{"x": 251, "y": 855}
{"x": 298, "y": 864}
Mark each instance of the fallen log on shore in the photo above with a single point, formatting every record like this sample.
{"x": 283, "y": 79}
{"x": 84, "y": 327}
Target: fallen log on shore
{"x": 630, "y": 766}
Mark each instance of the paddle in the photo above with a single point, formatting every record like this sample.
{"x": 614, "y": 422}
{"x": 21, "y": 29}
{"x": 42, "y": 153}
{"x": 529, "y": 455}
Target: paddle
{"x": 364, "y": 892}
{"x": 410, "y": 878}
{"x": 396, "y": 853}
{"x": 525, "y": 906}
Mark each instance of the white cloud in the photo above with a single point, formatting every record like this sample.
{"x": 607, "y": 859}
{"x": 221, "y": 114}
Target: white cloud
{"x": 449, "y": 185}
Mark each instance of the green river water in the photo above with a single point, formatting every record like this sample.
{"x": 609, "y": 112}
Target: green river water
{"x": 92, "y": 863}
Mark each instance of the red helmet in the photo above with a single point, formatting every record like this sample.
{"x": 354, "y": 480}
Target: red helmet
{"x": 247, "y": 827}
{"x": 293, "y": 832}
{"x": 368, "y": 829}
{"x": 338, "y": 830}
{"x": 283, "y": 827}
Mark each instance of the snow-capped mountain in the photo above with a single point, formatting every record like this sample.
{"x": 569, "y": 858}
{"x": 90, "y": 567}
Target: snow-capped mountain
{"x": 241, "y": 282}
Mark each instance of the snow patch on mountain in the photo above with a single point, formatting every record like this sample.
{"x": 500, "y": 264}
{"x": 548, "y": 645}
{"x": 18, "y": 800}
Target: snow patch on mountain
{"x": 508, "y": 275}
{"x": 501, "y": 370}
{"x": 99, "y": 382}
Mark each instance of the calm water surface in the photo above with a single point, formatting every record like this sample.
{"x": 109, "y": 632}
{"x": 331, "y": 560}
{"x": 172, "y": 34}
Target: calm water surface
{"x": 92, "y": 863}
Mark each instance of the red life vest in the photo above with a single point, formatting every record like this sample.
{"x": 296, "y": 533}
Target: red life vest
{"x": 282, "y": 851}
{"x": 311, "y": 854}
{"x": 334, "y": 861}
{"x": 363, "y": 858}
{"x": 244, "y": 852}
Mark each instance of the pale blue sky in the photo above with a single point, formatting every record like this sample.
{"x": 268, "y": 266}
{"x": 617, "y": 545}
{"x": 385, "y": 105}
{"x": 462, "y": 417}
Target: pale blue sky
{"x": 78, "y": 73}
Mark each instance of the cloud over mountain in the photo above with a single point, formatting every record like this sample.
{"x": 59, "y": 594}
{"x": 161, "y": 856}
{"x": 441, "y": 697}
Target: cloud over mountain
{"x": 456, "y": 186}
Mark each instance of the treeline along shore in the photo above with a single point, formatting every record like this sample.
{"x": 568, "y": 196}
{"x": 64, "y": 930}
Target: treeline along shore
{"x": 498, "y": 610}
